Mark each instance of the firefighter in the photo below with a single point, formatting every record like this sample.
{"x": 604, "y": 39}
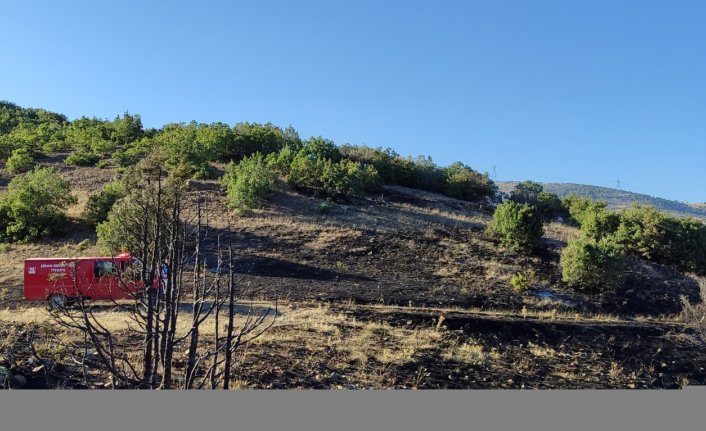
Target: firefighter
{"x": 163, "y": 278}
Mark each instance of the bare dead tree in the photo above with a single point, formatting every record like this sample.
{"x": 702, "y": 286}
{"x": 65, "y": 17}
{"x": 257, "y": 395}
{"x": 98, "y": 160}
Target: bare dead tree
{"x": 167, "y": 231}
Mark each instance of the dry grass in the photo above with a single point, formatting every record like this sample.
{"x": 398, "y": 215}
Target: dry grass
{"x": 470, "y": 352}
{"x": 559, "y": 232}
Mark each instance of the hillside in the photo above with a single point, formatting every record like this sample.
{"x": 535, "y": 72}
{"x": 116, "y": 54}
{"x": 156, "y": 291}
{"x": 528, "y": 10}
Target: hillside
{"x": 617, "y": 198}
{"x": 364, "y": 268}
{"x": 403, "y": 289}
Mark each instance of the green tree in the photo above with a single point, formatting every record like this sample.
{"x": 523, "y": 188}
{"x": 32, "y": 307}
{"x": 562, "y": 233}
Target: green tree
{"x": 249, "y": 182}
{"x": 126, "y": 129}
{"x": 550, "y": 206}
{"x": 33, "y": 205}
{"x": 579, "y": 207}
{"x": 592, "y": 265}
{"x": 526, "y": 192}
{"x": 20, "y": 161}
{"x": 518, "y": 226}
{"x": 82, "y": 158}
{"x": 90, "y": 135}
{"x": 462, "y": 182}
{"x": 100, "y": 204}
{"x": 599, "y": 223}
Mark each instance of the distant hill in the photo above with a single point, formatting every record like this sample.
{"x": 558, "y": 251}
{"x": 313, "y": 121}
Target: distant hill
{"x": 617, "y": 198}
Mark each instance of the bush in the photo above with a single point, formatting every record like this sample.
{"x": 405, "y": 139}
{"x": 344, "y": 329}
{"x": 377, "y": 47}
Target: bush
{"x": 462, "y": 182}
{"x": 523, "y": 280}
{"x": 651, "y": 234}
{"x": 550, "y": 206}
{"x": 579, "y": 207}
{"x": 20, "y": 160}
{"x": 249, "y": 182}
{"x": 593, "y": 265}
{"x": 100, "y": 204}
{"x": 599, "y": 223}
{"x": 347, "y": 178}
{"x": 324, "y": 207}
{"x": 82, "y": 158}
{"x": 33, "y": 205}
{"x": 336, "y": 180}
{"x": 518, "y": 226}
{"x": 526, "y": 192}
{"x": 281, "y": 161}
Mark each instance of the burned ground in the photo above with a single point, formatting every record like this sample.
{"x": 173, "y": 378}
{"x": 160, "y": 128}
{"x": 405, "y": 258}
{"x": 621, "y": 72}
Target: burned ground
{"x": 364, "y": 287}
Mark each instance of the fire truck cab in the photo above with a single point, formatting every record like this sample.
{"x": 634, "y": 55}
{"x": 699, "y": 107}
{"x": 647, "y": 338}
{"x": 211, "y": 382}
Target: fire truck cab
{"x": 61, "y": 280}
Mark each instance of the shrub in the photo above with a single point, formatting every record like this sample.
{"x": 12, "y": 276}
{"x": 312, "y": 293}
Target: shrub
{"x": 462, "y": 182}
{"x": 593, "y": 265}
{"x": 20, "y": 160}
{"x": 579, "y": 207}
{"x": 523, "y": 280}
{"x": 281, "y": 161}
{"x": 125, "y": 158}
{"x": 518, "y": 226}
{"x": 549, "y": 206}
{"x": 347, "y": 178}
{"x": 324, "y": 207}
{"x": 33, "y": 205}
{"x": 249, "y": 138}
{"x": 599, "y": 223}
{"x": 336, "y": 180}
{"x": 100, "y": 204}
{"x": 651, "y": 234}
{"x": 82, "y": 158}
{"x": 526, "y": 192}
{"x": 249, "y": 182}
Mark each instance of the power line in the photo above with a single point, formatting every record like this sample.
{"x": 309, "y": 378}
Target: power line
{"x": 618, "y": 184}
{"x": 495, "y": 173}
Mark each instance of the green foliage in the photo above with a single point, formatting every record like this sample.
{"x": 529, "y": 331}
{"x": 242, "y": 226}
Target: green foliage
{"x": 592, "y": 265}
{"x": 113, "y": 234}
{"x": 33, "y": 205}
{"x": 249, "y": 182}
{"x": 320, "y": 148}
{"x": 126, "y": 129}
{"x": 550, "y": 206}
{"x": 281, "y": 161}
{"x": 526, "y": 192}
{"x": 523, "y": 280}
{"x": 33, "y": 129}
{"x": 579, "y": 207}
{"x": 20, "y": 161}
{"x": 382, "y": 160}
{"x": 462, "y": 182}
{"x": 518, "y": 226}
{"x": 336, "y": 180}
{"x": 90, "y": 136}
{"x": 249, "y": 138}
{"x": 100, "y": 204}
{"x": 599, "y": 223}
{"x": 131, "y": 155}
{"x": 657, "y": 236}
{"x": 136, "y": 211}
{"x": 82, "y": 158}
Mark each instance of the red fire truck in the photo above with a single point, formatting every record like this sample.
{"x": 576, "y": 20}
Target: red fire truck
{"x": 60, "y": 280}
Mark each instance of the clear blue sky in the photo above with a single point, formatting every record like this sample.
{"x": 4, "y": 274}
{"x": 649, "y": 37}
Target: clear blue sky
{"x": 557, "y": 91}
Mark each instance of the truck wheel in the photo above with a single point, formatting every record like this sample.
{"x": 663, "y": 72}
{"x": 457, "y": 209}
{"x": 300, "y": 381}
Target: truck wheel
{"x": 56, "y": 302}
